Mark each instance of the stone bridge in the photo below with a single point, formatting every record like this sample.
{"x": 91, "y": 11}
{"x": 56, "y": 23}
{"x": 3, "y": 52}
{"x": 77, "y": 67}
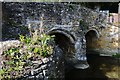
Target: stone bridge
{"x": 75, "y": 27}
{"x": 78, "y": 31}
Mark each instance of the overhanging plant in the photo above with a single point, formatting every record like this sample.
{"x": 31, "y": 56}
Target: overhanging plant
{"x": 17, "y": 58}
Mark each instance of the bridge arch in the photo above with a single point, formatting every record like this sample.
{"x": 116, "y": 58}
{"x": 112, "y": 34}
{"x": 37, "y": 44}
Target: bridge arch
{"x": 91, "y": 36}
{"x": 64, "y": 39}
{"x": 96, "y": 32}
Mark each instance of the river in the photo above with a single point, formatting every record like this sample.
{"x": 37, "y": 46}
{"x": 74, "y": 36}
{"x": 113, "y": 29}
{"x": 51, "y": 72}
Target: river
{"x": 101, "y": 68}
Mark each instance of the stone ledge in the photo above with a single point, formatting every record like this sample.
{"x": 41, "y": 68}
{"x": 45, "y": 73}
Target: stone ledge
{"x": 103, "y": 52}
{"x": 4, "y": 45}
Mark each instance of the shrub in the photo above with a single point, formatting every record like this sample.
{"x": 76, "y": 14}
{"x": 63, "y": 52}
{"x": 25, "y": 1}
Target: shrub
{"x": 18, "y": 58}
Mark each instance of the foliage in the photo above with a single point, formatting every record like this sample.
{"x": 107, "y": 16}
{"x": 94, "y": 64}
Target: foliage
{"x": 17, "y": 58}
{"x": 117, "y": 55}
{"x": 83, "y": 25}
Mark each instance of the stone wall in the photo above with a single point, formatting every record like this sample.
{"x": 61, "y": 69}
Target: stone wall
{"x": 70, "y": 20}
{"x": 16, "y": 19}
{"x": 51, "y": 67}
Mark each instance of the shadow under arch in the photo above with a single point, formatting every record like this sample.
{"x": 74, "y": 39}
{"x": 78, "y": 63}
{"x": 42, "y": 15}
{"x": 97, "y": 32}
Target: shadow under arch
{"x": 91, "y": 40}
{"x": 63, "y": 39}
{"x": 96, "y": 32}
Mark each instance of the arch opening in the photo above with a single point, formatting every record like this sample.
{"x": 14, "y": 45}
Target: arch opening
{"x": 91, "y": 45}
{"x": 91, "y": 40}
{"x": 64, "y": 41}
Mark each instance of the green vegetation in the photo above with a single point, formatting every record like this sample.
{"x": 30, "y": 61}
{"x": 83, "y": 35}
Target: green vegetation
{"x": 83, "y": 25}
{"x": 117, "y": 55}
{"x": 18, "y": 58}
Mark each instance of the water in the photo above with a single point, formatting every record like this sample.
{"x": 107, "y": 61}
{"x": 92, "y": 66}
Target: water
{"x": 101, "y": 68}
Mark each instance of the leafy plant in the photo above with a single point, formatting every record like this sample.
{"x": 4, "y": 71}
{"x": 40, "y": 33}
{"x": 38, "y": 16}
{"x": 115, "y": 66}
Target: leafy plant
{"x": 22, "y": 38}
{"x": 17, "y": 58}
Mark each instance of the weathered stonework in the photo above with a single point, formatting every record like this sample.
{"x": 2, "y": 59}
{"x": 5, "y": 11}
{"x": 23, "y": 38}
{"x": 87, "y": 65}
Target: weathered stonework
{"x": 41, "y": 68}
{"x": 68, "y": 22}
